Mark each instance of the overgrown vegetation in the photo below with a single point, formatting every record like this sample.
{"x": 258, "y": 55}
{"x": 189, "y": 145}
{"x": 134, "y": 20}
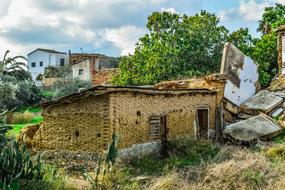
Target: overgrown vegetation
{"x": 63, "y": 88}
{"x": 15, "y": 94}
{"x": 180, "y": 46}
{"x": 19, "y": 171}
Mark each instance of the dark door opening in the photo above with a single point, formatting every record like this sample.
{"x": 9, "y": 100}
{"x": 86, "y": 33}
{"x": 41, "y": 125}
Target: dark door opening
{"x": 202, "y": 123}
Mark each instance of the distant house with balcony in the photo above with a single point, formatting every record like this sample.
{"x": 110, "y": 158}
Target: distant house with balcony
{"x": 40, "y": 58}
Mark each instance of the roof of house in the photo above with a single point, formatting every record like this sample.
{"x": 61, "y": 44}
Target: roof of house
{"x": 101, "y": 90}
{"x": 47, "y": 50}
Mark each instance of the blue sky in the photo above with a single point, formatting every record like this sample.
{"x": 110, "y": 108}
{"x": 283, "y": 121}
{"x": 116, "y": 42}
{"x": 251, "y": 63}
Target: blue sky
{"x": 111, "y": 27}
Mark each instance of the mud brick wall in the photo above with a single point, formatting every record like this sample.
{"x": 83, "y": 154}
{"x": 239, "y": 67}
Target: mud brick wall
{"x": 130, "y": 111}
{"x": 82, "y": 125}
{"x": 87, "y": 124}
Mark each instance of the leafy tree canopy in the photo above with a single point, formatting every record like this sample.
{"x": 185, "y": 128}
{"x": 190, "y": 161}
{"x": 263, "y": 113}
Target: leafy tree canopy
{"x": 176, "y": 46}
{"x": 272, "y": 18}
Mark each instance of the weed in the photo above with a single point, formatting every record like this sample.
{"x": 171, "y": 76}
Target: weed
{"x": 276, "y": 152}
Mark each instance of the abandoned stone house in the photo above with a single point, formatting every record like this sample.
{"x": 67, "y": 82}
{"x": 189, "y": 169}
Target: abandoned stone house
{"x": 98, "y": 70}
{"x": 86, "y": 121}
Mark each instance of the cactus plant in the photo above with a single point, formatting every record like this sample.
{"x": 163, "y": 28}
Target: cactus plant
{"x": 103, "y": 167}
{"x": 15, "y": 162}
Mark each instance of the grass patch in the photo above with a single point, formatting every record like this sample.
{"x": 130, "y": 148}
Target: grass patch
{"x": 280, "y": 139}
{"x": 37, "y": 119}
{"x": 30, "y": 109}
{"x": 182, "y": 152}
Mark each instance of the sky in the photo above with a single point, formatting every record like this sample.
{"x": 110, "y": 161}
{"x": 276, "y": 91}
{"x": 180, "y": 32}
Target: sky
{"x": 110, "y": 27}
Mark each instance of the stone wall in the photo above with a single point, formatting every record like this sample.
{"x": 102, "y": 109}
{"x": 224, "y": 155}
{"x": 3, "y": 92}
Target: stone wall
{"x": 81, "y": 125}
{"x": 105, "y": 76}
{"x": 130, "y": 114}
{"x": 47, "y": 82}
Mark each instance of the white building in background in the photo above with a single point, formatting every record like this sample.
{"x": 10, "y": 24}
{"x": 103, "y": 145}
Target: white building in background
{"x": 39, "y": 59}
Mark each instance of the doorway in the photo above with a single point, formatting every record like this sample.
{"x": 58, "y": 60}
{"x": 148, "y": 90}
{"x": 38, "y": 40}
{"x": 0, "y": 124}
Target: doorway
{"x": 202, "y": 123}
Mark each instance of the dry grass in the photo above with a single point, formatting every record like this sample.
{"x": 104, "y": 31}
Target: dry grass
{"x": 20, "y": 118}
{"x": 232, "y": 169}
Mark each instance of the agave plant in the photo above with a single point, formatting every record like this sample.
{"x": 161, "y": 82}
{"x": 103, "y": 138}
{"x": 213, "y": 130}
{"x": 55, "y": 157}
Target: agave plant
{"x": 12, "y": 66}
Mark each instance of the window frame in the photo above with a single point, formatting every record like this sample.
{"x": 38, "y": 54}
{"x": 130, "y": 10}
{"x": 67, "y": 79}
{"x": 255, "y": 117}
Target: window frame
{"x": 61, "y": 62}
{"x": 156, "y": 126}
{"x": 80, "y": 72}
{"x": 41, "y": 63}
{"x": 33, "y": 64}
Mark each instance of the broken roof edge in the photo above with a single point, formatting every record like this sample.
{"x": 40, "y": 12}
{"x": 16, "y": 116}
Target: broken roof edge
{"x": 102, "y": 90}
{"x": 179, "y": 84}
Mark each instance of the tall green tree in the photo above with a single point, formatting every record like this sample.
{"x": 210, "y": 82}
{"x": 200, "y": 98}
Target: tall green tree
{"x": 176, "y": 46}
{"x": 265, "y": 54}
{"x": 272, "y": 18}
{"x": 13, "y": 66}
{"x": 243, "y": 40}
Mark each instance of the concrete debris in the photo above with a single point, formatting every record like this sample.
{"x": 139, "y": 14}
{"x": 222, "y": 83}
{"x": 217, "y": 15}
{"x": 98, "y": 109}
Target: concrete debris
{"x": 244, "y": 116}
{"x": 242, "y": 74}
{"x": 231, "y": 107}
{"x": 249, "y": 130}
{"x": 278, "y": 112}
{"x": 262, "y": 102}
{"x": 280, "y": 93}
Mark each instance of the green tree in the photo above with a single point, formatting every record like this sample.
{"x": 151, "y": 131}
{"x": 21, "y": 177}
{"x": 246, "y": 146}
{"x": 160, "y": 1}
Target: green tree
{"x": 12, "y": 66}
{"x": 265, "y": 55}
{"x": 272, "y": 18}
{"x": 242, "y": 40}
{"x": 177, "y": 46}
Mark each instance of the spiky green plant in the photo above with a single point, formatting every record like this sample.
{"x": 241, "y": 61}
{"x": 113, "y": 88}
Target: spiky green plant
{"x": 104, "y": 166}
{"x": 13, "y": 67}
{"x": 15, "y": 162}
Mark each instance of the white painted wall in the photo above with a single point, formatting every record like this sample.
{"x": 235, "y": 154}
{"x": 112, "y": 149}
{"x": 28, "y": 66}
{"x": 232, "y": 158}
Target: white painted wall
{"x": 48, "y": 59}
{"x": 85, "y": 65}
{"x": 248, "y": 75}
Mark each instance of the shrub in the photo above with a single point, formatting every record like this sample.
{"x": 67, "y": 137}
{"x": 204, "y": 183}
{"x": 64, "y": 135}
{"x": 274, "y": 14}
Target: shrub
{"x": 276, "y": 152}
{"x": 8, "y": 92}
{"x": 28, "y": 93}
{"x": 70, "y": 87}
{"x": 18, "y": 94}
{"x": 21, "y": 118}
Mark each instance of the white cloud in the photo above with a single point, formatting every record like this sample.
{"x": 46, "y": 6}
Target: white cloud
{"x": 248, "y": 10}
{"x": 251, "y": 10}
{"x": 124, "y": 37}
{"x": 170, "y": 9}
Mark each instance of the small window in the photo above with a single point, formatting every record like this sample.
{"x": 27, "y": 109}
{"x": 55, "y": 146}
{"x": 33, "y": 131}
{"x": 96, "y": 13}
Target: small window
{"x": 41, "y": 63}
{"x": 155, "y": 126}
{"x": 33, "y": 64}
{"x": 62, "y": 61}
{"x": 80, "y": 72}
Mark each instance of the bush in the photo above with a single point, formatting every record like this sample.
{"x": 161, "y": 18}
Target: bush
{"x": 276, "y": 152}
{"x": 8, "y": 92}
{"x": 21, "y": 118}
{"x": 69, "y": 87}
{"x": 18, "y": 94}
{"x": 28, "y": 93}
